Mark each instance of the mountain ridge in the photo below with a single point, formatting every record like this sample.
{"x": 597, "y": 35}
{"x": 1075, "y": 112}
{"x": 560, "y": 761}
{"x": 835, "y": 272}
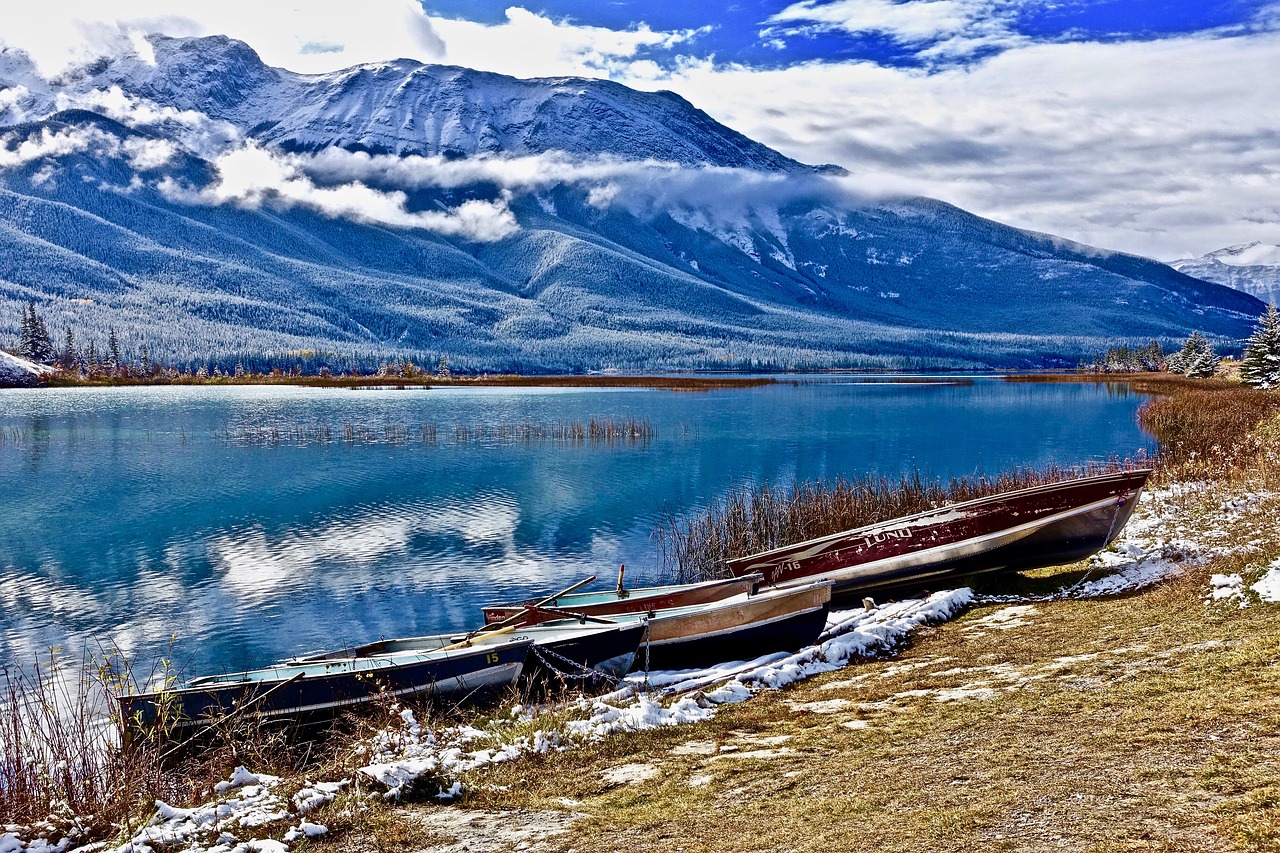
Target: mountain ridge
{"x": 519, "y": 253}
{"x": 1253, "y": 268}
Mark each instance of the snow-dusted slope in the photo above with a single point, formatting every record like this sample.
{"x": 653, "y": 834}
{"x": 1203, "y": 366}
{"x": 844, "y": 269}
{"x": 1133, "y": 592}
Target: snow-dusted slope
{"x": 15, "y": 371}
{"x": 1250, "y": 267}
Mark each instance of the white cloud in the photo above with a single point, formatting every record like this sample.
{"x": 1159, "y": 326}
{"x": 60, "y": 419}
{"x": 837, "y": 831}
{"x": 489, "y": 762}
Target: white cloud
{"x": 48, "y": 144}
{"x": 327, "y": 35}
{"x": 1164, "y": 148}
{"x": 285, "y": 34}
{"x": 957, "y": 22}
{"x": 194, "y": 130}
{"x": 252, "y": 177}
{"x": 531, "y": 45}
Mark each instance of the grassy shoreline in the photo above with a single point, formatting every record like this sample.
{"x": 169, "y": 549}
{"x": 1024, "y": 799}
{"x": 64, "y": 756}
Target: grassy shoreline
{"x": 1137, "y": 722}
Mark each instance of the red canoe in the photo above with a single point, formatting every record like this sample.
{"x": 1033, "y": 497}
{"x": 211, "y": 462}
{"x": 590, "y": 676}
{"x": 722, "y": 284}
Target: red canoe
{"x": 1048, "y": 525}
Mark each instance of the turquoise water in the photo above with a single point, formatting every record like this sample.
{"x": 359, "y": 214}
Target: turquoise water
{"x": 245, "y": 524}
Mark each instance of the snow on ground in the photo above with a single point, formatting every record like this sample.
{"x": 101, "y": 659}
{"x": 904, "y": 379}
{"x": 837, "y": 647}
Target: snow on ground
{"x": 1235, "y": 588}
{"x": 19, "y": 371}
{"x": 411, "y": 758}
{"x": 1155, "y": 545}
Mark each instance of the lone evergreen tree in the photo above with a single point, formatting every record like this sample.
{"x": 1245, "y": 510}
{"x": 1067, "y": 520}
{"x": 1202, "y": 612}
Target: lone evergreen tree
{"x": 1260, "y": 365}
{"x": 69, "y": 357}
{"x": 113, "y": 350}
{"x": 24, "y": 333}
{"x": 1197, "y": 358}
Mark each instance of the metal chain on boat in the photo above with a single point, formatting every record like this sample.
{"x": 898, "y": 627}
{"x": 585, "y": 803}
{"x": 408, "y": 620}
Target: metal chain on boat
{"x": 547, "y": 658}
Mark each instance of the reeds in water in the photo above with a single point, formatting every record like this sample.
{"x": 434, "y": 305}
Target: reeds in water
{"x": 1211, "y": 432}
{"x": 607, "y": 431}
{"x": 761, "y": 516}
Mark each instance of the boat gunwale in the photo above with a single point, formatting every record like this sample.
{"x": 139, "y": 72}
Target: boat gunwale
{"x": 380, "y": 663}
{"x": 636, "y": 594}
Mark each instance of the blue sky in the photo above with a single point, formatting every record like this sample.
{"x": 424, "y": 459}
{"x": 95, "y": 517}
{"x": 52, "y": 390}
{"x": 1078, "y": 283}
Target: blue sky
{"x": 743, "y": 32}
{"x": 1141, "y": 125}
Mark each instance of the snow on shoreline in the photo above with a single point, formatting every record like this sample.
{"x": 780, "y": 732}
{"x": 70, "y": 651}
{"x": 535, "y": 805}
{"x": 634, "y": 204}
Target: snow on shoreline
{"x": 1154, "y": 546}
{"x": 1151, "y": 548}
{"x": 412, "y": 756}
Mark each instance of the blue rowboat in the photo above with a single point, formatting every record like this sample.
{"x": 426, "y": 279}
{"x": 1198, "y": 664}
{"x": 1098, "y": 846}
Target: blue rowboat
{"x": 321, "y": 687}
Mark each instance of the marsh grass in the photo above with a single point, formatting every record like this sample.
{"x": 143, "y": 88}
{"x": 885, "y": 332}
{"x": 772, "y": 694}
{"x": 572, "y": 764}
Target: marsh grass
{"x": 760, "y": 516}
{"x": 609, "y": 431}
{"x": 1211, "y": 432}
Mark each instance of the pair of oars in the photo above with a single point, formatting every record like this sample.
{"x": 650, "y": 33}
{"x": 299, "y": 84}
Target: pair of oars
{"x": 494, "y": 629}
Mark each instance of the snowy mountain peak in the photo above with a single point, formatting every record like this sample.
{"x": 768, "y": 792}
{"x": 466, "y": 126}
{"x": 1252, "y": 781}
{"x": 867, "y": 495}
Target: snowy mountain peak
{"x": 1248, "y": 255}
{"x": 1251, "y": 267}
{"x": 405, "y": 107}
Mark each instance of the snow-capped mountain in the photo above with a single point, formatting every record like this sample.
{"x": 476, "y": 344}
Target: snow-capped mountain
{"x": 215, "y": 207}
{"x": 1251, "y": 267}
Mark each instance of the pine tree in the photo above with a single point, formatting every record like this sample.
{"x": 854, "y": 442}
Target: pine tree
{"x": 113, "y": 350}
{"x": 69, "y": 358}
{"x": 144, "y": 359}
{"x": 1260, "y": 365}
{"x": 41, "y": 343}
{"x": 1197, "y": 358}
{"x": 24, "y": 331}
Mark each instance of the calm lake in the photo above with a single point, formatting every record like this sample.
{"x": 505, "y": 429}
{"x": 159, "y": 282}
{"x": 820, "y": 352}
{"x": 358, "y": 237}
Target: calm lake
{"x": 246, "y": 524}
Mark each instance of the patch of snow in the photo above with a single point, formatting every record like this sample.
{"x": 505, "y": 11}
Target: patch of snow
{"x": 1223, "y": 587}
{"x": 825, "y": 706}
{"x": 1004, "y": 619}
{"x": 19, "y": 371}
{"x": 1268, "y": 587}
{"x": 754, "y": 753}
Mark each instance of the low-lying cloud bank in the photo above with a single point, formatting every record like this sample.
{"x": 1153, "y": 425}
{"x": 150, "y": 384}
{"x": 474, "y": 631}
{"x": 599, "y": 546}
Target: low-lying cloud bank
{"x": 375, "y": 188}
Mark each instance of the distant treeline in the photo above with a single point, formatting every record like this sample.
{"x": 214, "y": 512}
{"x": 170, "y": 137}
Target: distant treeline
{"x": 1196, "y": 359}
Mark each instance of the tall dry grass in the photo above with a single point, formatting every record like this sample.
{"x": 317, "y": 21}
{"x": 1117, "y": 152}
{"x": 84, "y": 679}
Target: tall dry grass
{"x": 60, "y": 758}
{"x": 1213, "y": 432}
{"x": 760, "y": 516}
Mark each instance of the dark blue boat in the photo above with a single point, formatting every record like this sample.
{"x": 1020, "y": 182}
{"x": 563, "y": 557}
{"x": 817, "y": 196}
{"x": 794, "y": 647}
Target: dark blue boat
{"x": 319, "y": 687}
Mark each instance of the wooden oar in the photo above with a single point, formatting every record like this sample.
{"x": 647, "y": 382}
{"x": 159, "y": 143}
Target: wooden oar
{"x": 470, "y": 638}
{"x": 521, "y": 613}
